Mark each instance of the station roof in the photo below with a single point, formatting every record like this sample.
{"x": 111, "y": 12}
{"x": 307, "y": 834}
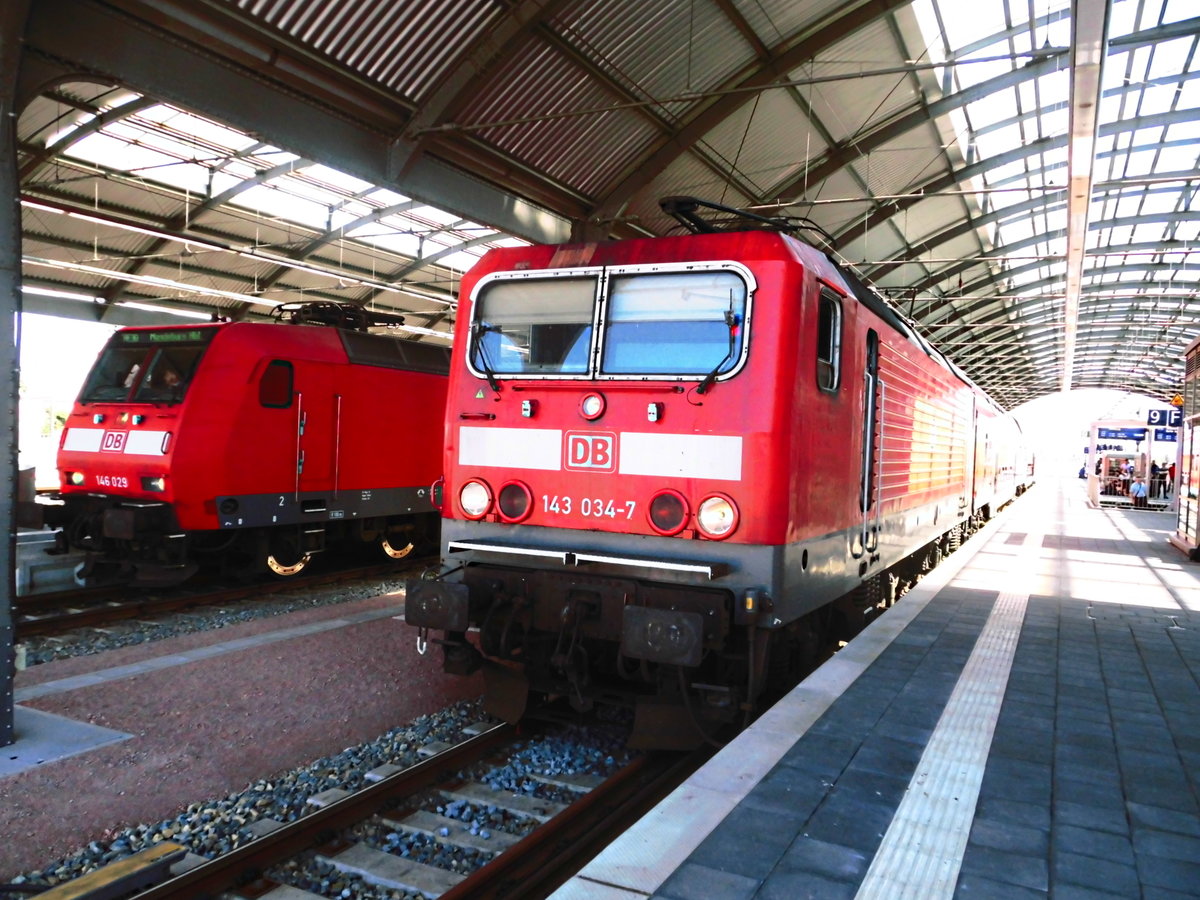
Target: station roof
{"x": 1016, "y": 177}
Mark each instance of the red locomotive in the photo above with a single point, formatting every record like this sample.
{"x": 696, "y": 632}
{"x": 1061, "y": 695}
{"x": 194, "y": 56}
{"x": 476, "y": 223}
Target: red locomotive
{"x": 251, "y": 444}
{"x": 674, "y": 466}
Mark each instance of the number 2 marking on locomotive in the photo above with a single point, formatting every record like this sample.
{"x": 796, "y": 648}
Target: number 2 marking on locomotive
{"x": 281, "y": 500}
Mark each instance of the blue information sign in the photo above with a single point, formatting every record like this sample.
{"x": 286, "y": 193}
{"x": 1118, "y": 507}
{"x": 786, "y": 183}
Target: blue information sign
{"x": 1164, "y": 434}
{"x": 1123, "y": 434}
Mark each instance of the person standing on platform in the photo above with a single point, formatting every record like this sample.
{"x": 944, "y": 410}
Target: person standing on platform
{"x": 1170, "y": 478}
{"x": 1155, "y": 479}
{"x": 1137, "y": 491}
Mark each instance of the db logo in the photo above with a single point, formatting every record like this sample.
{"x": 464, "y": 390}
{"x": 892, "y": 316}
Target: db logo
{"x": 113, "y": 442}
{"x": 595, "y": 452}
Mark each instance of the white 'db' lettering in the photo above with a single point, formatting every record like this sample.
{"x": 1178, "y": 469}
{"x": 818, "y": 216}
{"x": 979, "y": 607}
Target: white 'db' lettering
{"x": 588, "y": 450}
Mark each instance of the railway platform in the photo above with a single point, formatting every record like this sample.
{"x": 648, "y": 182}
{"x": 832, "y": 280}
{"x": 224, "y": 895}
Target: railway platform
{"x": 1025, "y": 723}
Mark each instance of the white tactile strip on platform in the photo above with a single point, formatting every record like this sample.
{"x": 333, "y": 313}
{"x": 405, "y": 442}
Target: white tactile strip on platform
{"x": 922, "y": 851}
{"x": 637, "y": 863}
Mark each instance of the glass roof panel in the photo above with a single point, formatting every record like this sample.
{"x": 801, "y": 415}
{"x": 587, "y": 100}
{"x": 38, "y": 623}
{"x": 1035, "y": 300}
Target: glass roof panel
{"x": 397, "y": 242}
{"x": 346, "y": 184}
{"x": 1137, "y": 143}
{"x": 384, "y": 197}
{"x": 269, "y": 200}
{"x": 184, "y": 151}
{"x": 141, "y": 160}
{"x": 201, "y": 129}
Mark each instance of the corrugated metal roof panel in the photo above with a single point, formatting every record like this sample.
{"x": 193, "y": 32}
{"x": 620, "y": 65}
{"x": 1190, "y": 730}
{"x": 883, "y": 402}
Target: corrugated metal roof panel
{"x": 848, "y": 105}
{"x": 658, "y": 48}
{"x": 778, "y": 20}
{"x": 403, "y": 46}
{"x": 686, "y": 175}
{"x": 768, "y": 141}
{"x": 930, "y": 216}
{"x": 904, "y": 164}
{"x": 836, "y": 217}
{"x": 584, "y": 151}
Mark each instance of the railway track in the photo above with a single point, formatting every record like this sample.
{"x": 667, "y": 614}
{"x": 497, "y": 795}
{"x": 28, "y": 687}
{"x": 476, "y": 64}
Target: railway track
{"x": 549, "y": 829}
{"x": 39, "y": 615}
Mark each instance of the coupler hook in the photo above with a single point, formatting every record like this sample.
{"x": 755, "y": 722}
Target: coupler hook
{"x": 422, "y": 640}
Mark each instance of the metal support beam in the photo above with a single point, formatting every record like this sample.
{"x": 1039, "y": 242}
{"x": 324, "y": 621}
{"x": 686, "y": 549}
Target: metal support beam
{"x": 1089, "y": 35}
{"x": 12, "y": 24}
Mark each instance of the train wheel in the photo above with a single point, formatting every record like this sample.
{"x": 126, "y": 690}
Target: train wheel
{"x": 288, "y": 570}
{"x": 285, "y": 558}
{"x": 395, "y": 552}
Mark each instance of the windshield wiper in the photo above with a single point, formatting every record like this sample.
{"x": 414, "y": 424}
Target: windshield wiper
{"x": 479, "y": 354}
{"x": 711, "y": 378}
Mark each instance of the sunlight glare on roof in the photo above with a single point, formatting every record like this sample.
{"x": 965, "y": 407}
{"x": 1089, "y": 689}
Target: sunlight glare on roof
{"x": 431, "y": 214}
{"x": 346, "y": 183}
{"x": 304, "y": 189}
{"x": 122, "y": 156}
{"x": 269, "y": 200}
{"x": 404, "y": 244}
{"x": 386, "y": 197}
{"x": 462, "y": 260}
{"x": 202, "y": 129}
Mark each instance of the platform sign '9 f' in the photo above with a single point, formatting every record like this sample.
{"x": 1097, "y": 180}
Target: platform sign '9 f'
{"x": 1171, "y": 418}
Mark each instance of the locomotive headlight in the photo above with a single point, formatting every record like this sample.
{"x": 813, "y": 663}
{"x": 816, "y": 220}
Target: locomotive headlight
{"x": 592, "y": 406}
{"x": 75, "y": 478}
{"x": 668, "y": 512}
{"x": 717, "y": 516}
{"x": 156, "y": 483}
{"x": 475, "y": 498}
{"x": 515, "y": 501}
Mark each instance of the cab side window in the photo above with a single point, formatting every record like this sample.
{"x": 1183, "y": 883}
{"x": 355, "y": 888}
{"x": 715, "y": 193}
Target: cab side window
{"x": 829, "y": 341}
{"x": 275, "y": 386}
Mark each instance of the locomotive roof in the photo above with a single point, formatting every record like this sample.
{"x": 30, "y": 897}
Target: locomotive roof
{"x": 706, "y": 217}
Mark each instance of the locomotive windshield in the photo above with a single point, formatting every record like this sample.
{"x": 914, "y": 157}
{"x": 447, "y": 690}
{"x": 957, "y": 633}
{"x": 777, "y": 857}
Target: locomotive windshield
{"x": 686, "y": 323}
{"x": 541, "y": 326}
{"x": 146, "y": 366}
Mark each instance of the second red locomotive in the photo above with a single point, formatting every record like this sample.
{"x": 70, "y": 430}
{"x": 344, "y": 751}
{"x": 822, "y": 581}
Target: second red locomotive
{"x": 675, "y": 466}
{"x": 253, "y": 445}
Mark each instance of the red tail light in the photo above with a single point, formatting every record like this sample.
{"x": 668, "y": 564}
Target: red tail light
{"x": 668, "y": 512}
{"x": 515, "y": 501}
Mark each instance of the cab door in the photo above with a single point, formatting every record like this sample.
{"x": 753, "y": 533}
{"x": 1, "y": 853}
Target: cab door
{"x": 872, "y": 447}
{"x": 318, "y": 426}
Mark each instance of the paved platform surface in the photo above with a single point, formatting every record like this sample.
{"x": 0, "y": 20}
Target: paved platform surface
{"x": 1024, "y": 724}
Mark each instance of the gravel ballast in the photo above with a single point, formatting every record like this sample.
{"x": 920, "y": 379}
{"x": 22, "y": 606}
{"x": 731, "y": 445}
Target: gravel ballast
{"x": 208, "y": 728}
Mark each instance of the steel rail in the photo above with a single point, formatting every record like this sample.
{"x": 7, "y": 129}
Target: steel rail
{"x": 247, "y": 863}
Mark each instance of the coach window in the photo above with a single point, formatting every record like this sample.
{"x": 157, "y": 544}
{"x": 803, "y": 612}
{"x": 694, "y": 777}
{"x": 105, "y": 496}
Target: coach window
{"x": 829, "y": 341}
{"x": 275, "y": 386}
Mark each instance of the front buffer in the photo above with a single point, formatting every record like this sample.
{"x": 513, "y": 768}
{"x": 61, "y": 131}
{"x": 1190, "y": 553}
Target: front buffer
{"x": 677, "y": 654}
